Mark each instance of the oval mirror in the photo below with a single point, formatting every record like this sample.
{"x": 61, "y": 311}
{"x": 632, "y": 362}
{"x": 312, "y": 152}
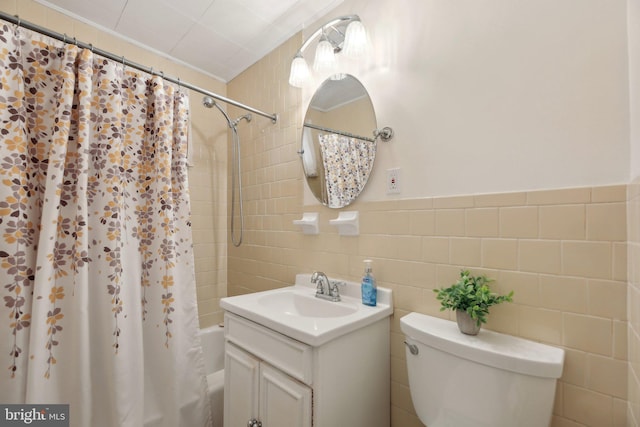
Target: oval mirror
{"x": 338, "y": 148}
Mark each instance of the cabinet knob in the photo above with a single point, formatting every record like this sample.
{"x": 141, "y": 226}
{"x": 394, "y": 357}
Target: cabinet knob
{"x": 254, "y": 423}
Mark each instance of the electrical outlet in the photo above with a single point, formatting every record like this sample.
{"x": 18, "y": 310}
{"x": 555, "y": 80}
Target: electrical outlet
{"x": 393, "y": 181}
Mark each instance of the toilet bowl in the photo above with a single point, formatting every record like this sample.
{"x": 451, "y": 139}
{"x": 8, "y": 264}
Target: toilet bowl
{"x": 487, "y": 380}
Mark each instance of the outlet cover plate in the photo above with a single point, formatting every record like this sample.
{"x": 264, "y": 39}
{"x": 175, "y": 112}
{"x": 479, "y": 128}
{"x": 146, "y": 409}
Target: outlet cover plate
{"x": 393, "y": 181}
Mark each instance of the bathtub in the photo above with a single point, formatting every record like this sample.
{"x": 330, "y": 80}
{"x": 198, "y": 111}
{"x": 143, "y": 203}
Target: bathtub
{"x": 212, "y": 339}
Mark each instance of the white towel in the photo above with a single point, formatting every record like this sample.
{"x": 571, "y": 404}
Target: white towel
{"x": 309, "y": 163}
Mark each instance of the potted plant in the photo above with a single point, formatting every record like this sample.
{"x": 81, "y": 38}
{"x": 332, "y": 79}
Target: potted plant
{"x": 471, "y": 298}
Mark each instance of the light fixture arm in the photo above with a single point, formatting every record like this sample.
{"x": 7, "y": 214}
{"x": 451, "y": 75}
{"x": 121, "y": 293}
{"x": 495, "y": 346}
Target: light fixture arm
{"x": 333, "y": 23}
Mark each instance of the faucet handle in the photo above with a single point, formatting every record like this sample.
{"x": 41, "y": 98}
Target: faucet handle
{"x": 333, "y": 290}
{"x": 333, "y": 287}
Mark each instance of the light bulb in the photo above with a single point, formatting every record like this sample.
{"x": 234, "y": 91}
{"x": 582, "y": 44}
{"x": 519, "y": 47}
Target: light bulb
{"x": 299, "y": 73}
{"x": 355, "y": 40}
{"x": 325, "y": 60}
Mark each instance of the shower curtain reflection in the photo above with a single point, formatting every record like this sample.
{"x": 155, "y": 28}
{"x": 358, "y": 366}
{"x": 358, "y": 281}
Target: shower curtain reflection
{"x": 95, "y": 243}
{"x": 347, "y": 163}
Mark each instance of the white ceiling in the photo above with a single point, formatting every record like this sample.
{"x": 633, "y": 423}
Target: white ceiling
{"x": 220, "y": 37}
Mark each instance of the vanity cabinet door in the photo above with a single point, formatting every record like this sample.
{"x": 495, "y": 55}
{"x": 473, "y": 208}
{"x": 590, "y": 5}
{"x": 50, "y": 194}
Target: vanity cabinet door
{"x": 284, "y": 402}
{"x": 241, "y": 386}
{"x": 256, "y": 390}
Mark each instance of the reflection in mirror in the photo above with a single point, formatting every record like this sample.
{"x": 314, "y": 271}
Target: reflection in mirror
{"x": 338, "y": 149}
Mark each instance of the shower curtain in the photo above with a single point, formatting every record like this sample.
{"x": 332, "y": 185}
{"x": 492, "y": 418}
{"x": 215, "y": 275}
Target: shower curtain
{"x": 347, "y": 162}
{"x": 98, "y": 291}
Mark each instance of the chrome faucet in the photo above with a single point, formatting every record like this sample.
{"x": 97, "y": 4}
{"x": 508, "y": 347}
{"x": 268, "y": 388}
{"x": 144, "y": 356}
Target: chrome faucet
{"x": 316, "y": 278}
{"x": 332, "y": 293}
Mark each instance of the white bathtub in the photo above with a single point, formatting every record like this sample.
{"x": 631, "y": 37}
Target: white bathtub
{"x": 212, "y": 339}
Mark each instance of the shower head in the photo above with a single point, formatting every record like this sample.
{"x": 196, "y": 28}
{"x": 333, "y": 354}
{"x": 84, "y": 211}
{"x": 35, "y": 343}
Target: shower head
{"x": 208, "y": 102}
{"x": 247, "y": 117}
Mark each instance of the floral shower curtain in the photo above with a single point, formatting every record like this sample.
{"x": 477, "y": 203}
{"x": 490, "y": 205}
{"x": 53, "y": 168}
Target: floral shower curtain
{"x": 96, "y": 265}
{"x": 347, "y": 162}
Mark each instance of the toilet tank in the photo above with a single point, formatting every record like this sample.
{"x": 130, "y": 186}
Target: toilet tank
{"x": 487, "y": 380}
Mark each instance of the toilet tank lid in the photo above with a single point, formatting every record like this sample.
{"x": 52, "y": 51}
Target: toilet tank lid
{"x": 488, "y": 347}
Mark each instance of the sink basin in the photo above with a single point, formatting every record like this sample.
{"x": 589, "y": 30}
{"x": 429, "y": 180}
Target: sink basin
{"x": 296, "y": 312}
{"x": 303, "y": 305}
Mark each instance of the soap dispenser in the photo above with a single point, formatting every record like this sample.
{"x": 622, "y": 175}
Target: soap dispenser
{"x": 368, "y": 287}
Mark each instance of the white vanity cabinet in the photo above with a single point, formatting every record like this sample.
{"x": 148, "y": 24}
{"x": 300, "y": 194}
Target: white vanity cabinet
{"x": 282, "y": 382}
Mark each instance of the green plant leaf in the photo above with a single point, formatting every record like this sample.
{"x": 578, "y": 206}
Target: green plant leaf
{"x": 471, "y": 294}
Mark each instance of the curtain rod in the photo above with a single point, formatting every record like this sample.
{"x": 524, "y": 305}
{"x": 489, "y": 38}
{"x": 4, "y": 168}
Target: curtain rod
{"x": 64, "y": 38}
{"x": 339, "y": 132}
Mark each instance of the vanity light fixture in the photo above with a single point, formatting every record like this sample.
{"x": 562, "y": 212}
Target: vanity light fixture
{"x": 325, "y": 60}
{"x": 344, "y": 34}
{"x": 299, "y": 71}
{"x": 355, "y": 41}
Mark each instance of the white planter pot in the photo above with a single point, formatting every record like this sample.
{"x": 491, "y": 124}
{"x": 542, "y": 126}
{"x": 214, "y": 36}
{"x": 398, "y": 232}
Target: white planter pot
{"x": 466, "y": 324}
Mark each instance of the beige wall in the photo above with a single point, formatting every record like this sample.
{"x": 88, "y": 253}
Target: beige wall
{"x": 207, "y": 178}
{"x": 563, "y": 251}
{"x": 633, "y": 28}
{"x": 633, "y": 304}
{"x": 633, "y": 209}
{"x": 272, "y": 174}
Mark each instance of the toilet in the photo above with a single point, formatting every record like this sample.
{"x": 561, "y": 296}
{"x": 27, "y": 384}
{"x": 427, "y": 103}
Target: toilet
{"x": 487, "y": 380}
